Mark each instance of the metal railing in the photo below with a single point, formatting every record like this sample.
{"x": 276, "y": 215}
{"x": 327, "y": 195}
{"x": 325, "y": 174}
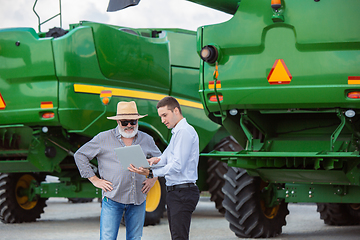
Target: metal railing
{"x": 41, "y": 23}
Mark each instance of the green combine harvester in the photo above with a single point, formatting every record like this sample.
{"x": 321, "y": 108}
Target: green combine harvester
{"x": 58, "y": 87}
{"x": 283, "y": 77}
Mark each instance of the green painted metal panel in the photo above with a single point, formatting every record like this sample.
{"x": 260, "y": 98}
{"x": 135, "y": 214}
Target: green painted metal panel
{"x": 132, "y": 59}
{"x": 14, "y": 166}
{"x": 78, "y": 190}
{"x": 321, "y": 193}
{"x": 180, "y": 84}
{"x": 320, "y": 56}
{"x": 183, "y": 49}
{"x": 75, "y": 55}
{"x": 27, "y": 77}
{"x": 304, "y": 176}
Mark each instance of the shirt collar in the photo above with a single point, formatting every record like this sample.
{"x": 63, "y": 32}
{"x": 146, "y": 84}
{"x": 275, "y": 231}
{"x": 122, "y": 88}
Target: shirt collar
{"x": 179, "y": 125}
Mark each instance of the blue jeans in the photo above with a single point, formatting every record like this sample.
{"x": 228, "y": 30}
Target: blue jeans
{"x": 111, "y": 215}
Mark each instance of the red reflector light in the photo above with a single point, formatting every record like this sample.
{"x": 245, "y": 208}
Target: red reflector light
{"x": 214, "y": 99}
{"x": 48, "y": 115}
{"x": 212, "y": 84}
{"x": 353, "y": 95}
{"x": 105, "y": 93}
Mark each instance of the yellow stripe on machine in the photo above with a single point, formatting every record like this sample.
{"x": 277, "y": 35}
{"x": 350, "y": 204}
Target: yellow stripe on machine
{"x": 82, "y": 88}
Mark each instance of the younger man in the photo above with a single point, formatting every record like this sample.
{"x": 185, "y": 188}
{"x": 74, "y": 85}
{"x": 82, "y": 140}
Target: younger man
{"x": 180, "y": 160}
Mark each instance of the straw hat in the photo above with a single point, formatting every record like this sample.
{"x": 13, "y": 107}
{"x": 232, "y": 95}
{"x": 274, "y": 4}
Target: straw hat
{"x": 126, "y": 110}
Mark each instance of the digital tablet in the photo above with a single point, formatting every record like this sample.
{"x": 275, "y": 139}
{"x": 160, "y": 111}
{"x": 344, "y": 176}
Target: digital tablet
{"x": 132, "y": 155}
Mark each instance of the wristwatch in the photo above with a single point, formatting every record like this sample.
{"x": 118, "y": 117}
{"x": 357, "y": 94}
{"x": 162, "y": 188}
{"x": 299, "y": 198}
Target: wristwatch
{"x": 150, "y": 174}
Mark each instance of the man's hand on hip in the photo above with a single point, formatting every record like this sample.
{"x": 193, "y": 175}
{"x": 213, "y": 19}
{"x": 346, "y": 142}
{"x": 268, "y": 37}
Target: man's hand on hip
{"x": 101, "y": 183}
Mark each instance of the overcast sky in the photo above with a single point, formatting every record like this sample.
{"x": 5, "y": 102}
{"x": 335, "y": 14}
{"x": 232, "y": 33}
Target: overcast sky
{"x": 148, "y": 14}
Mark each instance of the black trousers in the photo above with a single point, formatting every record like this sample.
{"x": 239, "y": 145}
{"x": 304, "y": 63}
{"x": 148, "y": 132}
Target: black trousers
{"x": 181, "y": 203}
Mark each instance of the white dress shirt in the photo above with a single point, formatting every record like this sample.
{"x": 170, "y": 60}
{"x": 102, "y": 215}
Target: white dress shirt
{"x": 181, "y": 157}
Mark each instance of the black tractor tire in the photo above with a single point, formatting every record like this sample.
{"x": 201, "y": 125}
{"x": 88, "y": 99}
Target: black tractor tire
{"x": 217, "y": 169}
{"x": 338, "y": 214}
{"x": 15, "y": 208}
{"x": 80, "y": 200}
{"x": 155, "y": 203}
{"x": 246, "y": 211}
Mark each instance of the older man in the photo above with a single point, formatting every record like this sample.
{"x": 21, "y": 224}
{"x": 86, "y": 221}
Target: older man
{"x": 122, "y": 190}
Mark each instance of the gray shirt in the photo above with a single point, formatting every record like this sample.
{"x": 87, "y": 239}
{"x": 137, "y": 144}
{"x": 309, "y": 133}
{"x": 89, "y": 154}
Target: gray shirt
{"x": 126, "y": 185}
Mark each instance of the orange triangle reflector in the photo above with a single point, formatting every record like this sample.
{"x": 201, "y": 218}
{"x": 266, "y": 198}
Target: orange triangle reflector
{"x": 2, "y": 103}
{"x": 279, "y": 73}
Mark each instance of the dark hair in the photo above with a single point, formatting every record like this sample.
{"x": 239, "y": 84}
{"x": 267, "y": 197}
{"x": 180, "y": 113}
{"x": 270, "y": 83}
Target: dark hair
{"x": 170, "y": 102}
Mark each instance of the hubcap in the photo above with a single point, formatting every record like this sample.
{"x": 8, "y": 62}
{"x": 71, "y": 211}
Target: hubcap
{"x": 24, "y": 183}
{"x": 355, "y": 206}
{"x": 269, "y": 212}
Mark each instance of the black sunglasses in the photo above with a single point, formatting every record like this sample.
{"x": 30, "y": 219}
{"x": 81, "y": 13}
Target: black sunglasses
{"x": 126, "y": 122}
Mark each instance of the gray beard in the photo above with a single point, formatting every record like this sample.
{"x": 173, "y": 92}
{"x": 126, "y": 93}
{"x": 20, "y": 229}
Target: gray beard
{"x": 129, "y": 135}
